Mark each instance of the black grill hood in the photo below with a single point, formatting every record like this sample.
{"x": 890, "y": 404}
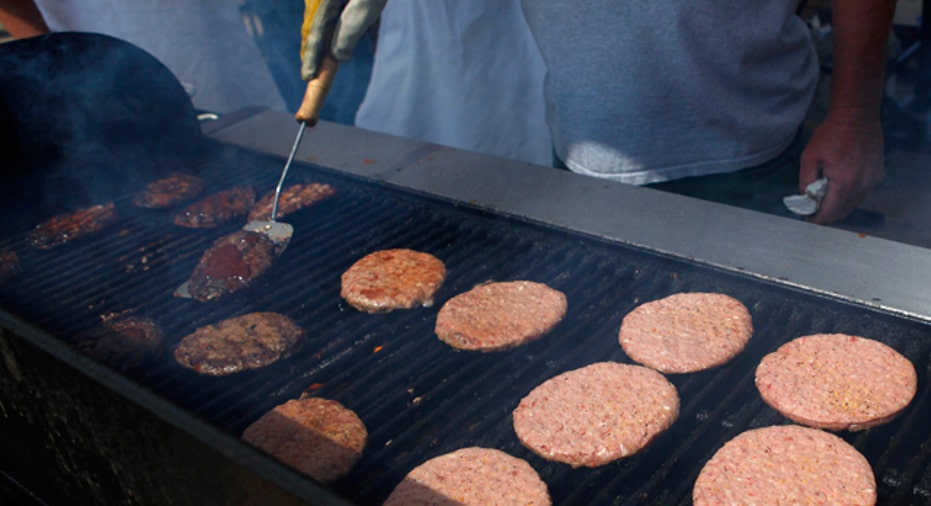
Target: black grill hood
{"x": 84, "y": 108}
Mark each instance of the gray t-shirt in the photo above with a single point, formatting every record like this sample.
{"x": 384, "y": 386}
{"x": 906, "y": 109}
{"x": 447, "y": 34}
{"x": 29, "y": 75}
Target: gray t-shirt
{"x": 642, "y": 91}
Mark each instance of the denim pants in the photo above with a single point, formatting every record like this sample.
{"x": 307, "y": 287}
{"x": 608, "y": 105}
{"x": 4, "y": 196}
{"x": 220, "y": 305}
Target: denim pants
{"x": 760, "y": 188}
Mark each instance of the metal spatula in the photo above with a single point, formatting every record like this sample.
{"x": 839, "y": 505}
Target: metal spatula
{"x": 280, "y": 233}
{"x": 307, "y": 114}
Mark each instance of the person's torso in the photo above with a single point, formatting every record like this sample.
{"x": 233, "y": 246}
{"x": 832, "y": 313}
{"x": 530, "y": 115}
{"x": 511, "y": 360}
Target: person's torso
{"x": 205, "y": 44}
{"x": 461, "y": 74}
{"x": 650, "y": 91}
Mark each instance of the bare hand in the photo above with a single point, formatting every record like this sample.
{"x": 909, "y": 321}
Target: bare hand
{"x": 849, "y": 152}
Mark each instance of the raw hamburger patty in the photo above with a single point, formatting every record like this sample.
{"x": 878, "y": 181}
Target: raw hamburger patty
{"x": 836, "y": 381}
{"x": 232, "y": 263}
{"x": 217, "y": 209}
{"x": 596, "y": 414}
{"x": 293, "y": 198}
{"x": 169, "y": 191}
{"x": 786, "y": 465}
{"x": 472, "y": 476}
{"x": 245, "y": 342}
{"x": 392, "y": 279}
{"x": 319, "y": 437}
{"x": 65, "y": 228}
{"x": 499, "y": 316}
{"x": 686, "y": 332}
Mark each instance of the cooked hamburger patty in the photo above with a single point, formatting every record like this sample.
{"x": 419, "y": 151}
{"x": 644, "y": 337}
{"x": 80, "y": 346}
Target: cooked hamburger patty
{"x": 232, "y": 263}
{"x": 596, "y": 414}
{"x": 392, "y": 279}
{"x": 473, "y": 476}
{"x": 319, "y": 437}
{"x": 293, "y": 198}
{"x": 170, "y": 191}
{"x": 68, "y": 227}
{"x": 245, "y": 342}
{"x": 836, "y": 381}
{"x": 123, "y": 342}
{"x": 217, "y": 209}
{"x": 686, "y": 332}
{"x": 500, "y": 316}
{"x": 786, "y": 465}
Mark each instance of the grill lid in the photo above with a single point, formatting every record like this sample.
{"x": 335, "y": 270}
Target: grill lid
{"x": 78, "y": 105}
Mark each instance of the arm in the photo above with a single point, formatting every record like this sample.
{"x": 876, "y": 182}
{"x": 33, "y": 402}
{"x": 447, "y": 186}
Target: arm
{"x": 847, "y": 147}
{"x": 22, "y": 18}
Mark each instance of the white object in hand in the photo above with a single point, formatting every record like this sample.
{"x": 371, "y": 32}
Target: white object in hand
{"x": 809, "y": 202}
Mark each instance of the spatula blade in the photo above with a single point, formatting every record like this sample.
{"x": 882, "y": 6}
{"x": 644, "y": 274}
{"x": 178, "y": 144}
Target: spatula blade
{"x": 279, "y": 233}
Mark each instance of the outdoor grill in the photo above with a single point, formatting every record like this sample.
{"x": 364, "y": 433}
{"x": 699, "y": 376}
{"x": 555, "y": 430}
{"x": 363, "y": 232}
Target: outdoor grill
{"x": 77, "y": 431}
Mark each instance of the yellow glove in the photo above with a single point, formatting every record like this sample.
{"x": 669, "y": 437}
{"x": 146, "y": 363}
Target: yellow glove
{"x": 334, "y": 27}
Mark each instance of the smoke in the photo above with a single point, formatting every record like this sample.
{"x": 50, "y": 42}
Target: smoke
{"x": 85, "y": 117}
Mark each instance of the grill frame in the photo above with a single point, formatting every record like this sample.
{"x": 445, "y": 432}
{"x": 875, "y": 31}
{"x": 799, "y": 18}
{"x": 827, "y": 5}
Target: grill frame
{"x": 677, "y": 273}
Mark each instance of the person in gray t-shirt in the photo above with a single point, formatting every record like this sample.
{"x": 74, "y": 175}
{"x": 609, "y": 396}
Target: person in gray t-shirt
{"x": 646, "y": 92}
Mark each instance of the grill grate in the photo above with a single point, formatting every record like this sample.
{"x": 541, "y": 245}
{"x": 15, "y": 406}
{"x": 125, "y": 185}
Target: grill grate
{"x": 418, "y": 397}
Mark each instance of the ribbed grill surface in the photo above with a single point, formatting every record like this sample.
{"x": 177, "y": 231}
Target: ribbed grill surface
{"x": 418, "y": 397}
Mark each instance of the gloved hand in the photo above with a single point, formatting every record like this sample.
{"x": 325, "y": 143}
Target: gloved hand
{"x": 334, "y": 27}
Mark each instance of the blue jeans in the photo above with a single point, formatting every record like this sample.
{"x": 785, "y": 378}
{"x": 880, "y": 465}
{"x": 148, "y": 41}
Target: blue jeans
{"x": 760, "y": 188}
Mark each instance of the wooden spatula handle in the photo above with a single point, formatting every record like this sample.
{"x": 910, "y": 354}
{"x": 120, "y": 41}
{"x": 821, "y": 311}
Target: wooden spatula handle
{"x": 316, "y": 92}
